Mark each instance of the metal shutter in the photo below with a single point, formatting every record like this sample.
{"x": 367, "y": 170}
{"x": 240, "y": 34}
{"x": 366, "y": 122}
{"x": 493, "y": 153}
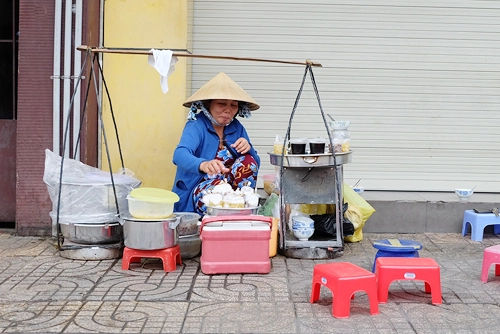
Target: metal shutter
{"x": 419, "y": 81}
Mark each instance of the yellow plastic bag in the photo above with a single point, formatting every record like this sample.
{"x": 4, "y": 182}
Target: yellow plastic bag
{"x": 358, "y": 212}
{"x": 317, "y": 209}
{"x": 355, "y": 199}
{"x": 353, "y": 213}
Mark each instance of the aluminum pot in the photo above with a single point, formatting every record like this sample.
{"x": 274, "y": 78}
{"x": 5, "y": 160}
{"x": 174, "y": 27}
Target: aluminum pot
{"x": 150, "y": 234}
{"x": 188, "y": 224}
{"x": 89, "y": 234}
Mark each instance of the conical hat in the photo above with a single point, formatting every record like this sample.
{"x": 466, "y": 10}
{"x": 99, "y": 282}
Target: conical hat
{"x": 222, "y": 87}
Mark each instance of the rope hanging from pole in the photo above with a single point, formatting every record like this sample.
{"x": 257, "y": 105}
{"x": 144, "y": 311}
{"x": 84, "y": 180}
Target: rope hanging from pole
{"x": 94, "y": 76}
{"x": 338, "y": 185}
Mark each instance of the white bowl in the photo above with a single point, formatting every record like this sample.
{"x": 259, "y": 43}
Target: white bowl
{"x": 303, "y": 233}
{"x": 340, "y": 125}
{"x": 464, "y": 194}
{"x": 302, "y": 222}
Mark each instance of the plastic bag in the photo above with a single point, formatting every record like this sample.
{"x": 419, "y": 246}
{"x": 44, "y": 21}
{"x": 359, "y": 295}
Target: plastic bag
{"x": 278, "y": 145}
{"x": 355, "y": 199}
{"x": 325, "y": 224}
{"x": 267, "y": 209}
{"x": 356, "y": 217}
{"x": 358, "y": 212}
{"x": 87, "y": 194}
{"x": 317, "y": 209}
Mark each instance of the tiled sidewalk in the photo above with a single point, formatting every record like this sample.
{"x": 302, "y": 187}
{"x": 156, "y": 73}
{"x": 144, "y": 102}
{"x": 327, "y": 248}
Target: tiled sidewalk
{"x": 42, "y": 292}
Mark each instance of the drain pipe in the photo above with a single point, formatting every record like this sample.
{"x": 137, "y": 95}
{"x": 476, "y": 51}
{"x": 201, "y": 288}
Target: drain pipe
{"x": 67, "y": 64}
{"x": 101, "y": 43}
{"x": 56, "y": 77}
{"x": 76, "y": 70}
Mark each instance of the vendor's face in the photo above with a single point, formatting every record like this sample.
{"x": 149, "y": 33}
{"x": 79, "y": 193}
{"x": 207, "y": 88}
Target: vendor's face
{"x": 223, "y": 111}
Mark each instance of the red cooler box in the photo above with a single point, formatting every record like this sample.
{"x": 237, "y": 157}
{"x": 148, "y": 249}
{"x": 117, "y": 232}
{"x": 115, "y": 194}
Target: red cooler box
{"x": 235, "y": 244}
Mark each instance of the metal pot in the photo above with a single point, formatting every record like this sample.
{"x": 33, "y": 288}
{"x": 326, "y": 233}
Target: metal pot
{"x": 89, "y": 234}
{"x": 188, "y": 224}
{"x": 150, "y": 234}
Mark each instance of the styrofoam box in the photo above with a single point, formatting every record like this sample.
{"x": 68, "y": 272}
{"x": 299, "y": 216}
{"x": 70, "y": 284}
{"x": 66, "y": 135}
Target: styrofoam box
{"x": 235, "y": 244}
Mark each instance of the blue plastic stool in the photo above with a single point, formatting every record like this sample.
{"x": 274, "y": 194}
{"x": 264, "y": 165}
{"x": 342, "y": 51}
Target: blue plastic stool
{"x": 477, "y": 222}
{"x": 396, "y": 248}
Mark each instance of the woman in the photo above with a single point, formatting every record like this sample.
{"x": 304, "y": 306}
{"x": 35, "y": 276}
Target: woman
{"x": 214, "y": 146}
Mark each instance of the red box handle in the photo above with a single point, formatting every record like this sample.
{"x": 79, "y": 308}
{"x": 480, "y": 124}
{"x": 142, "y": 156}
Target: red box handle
{"x": 212, "y": 219}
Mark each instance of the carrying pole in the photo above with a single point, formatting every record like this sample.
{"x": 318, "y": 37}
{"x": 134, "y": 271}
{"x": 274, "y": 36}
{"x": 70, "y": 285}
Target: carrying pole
{"x": 190, "y": 55}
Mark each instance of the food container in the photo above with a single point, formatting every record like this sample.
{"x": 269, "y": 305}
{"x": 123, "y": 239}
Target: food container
{"x": 147, "y": 234}
{"x": 273, "y": 243}
{"x": 270, "y": 185}
{"x": 190, "y": 246}
{"x": 92, "y": 234}
{"x": 188, "y": 224}
{"x": 235, "y": 244}
{"x": 151, "y": 203}
{"x": 211, "y": 211}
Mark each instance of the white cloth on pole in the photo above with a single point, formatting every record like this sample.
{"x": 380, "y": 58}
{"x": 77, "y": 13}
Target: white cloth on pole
{"x": 163, "y": 62}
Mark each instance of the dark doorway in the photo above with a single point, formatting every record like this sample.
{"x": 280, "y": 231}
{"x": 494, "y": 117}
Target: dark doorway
{"x": 9, "y": 35}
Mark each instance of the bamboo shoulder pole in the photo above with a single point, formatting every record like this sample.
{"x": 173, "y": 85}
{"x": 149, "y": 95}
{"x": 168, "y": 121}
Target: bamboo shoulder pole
{"x": 177, "y": 54}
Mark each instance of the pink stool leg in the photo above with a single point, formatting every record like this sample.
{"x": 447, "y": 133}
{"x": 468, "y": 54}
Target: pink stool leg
{"x": 485, "y": 268}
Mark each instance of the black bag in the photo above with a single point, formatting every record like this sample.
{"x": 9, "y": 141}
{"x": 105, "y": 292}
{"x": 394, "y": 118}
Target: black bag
{"x": 325, "y": 225}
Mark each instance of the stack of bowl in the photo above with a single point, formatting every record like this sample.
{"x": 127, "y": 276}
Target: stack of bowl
{"x": 302, "y": 227}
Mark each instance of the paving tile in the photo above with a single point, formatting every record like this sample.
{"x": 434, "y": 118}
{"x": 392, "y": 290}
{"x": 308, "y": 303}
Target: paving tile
{"x": 42, "y": 292}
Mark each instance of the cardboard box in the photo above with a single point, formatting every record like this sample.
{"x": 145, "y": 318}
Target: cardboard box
{"x": 235, "y": 244}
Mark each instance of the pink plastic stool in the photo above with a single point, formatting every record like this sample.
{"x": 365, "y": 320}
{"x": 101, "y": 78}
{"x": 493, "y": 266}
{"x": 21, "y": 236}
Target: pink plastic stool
{"x": 169, "y": 256}
{"x": 389, "y": 269}
{"x": 344, "y": 279}
{"x": 491, "y": 256}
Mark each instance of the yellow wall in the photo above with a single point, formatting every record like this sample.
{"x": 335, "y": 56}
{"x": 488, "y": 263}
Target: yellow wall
{"x": 149, "y": 122}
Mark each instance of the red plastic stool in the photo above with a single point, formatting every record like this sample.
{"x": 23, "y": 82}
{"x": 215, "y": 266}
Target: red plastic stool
{"x": 169, "y": 256}
{"x": 389, "y": 269}
{"x": 491, "y": 256}
{"x": 344, "y": 279}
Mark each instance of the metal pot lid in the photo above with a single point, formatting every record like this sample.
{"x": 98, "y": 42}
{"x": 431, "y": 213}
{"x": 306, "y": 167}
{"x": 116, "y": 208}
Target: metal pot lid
{"x": 129, "y": 217}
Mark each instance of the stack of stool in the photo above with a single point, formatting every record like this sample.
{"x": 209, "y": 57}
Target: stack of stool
{"x": 396, "y": 248}
{"x": 170, "y": 257}
{"x": 477, "y": 222}
{"x": 344, "y": 279}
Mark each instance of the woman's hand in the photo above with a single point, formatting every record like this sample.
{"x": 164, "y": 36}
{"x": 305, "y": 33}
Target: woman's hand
{"x": 213, "y": 167}
{"x": 241, "y": 145}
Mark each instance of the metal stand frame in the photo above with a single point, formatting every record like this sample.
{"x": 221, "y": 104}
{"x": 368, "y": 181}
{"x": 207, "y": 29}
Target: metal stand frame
{"x": 310, "y": 182}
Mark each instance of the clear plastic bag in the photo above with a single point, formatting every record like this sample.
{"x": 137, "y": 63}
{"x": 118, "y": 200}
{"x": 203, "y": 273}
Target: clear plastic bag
{"x": 87, "y": 194}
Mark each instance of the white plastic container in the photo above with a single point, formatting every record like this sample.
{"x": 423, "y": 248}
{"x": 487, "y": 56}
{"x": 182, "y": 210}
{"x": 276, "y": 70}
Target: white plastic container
{"x": 151, "y": 203}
